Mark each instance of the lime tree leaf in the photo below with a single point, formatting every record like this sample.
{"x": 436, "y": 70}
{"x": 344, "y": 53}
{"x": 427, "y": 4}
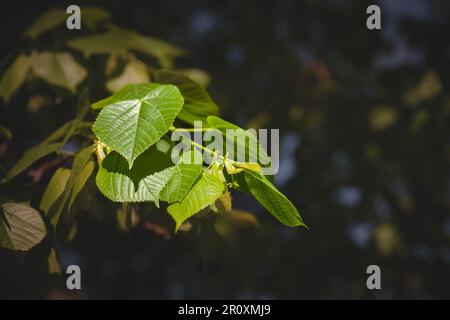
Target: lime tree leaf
{"x": 82, "y": 110}
{"x": 54, "y": 188}
{"x": 272, "y": 199}
{"x": 143, "y": 182}
{"x": 90, "y": 16}
{"x": 21, "y": 227}
{"x": 131, "y": 126}
{"x": 45, "y": 22}
{"x": 134, "y": 73}
{"x": 163, "y": 51}
{"x": 207, "y": 190}
{"x": 14, "y": 76}
{"x": 59, "y": 69}
{"x": 30, "y": 156}
{"x": 119, "y": 40}
{"x": 197, "y": 102}
{"x": 80, "y": 181}
{"x": 62, "y": 131}
{"x": 129, "y": 92}
{"x": 5, "y": 132}
{"x": 80, "y": 161}
{"x": 103, "y": 43}
{"x": 197, "y": 75}
{"x": 183, "y": 178}
{"x": 239, "y": 141}
{"x": 53, "y": 264}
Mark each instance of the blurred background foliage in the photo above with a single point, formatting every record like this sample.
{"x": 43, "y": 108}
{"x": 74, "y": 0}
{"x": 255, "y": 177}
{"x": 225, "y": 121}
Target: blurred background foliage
{"x": 364, "y": 122}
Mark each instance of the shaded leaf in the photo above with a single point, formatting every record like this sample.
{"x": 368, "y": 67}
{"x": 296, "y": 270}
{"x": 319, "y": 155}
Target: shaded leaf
{"x": 80, "y": 161}
{"x": 54, "y": 188}
{"x": 21, "y": 227}
{"x": 53, "y": 264}
{"x": 90, "y": 16}
{"x": 198, "y": 104}
{"x": 30, "y": 156}
{"x": 131, "y": 126}
{"x": 45, "y": 22}
{"x": 14, "y": 76}
{"x": 80, "y": 181}
{"x": 5, "y": 132}
{"x": 143, "y": 182}
{"x": 119, "y": 40}
{"x": 273, "y": 200}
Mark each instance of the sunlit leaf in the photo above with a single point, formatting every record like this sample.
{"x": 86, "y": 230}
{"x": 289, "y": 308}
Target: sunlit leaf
{"x": 239, "y": 141}
{"x": 21, "y": 227}
{"x": 207, "y": 190}
{"x": 134, "y": 73}
{"x": 131, "y": 126}
{"x": 59, "y": 69}
{"x": 183, "y": 178}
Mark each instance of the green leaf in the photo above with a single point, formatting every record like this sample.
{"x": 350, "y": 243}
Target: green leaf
{"x": 134, "y": 73}
{"x": 30, "y": 156}
{"x": 103, "y": 43}
{"x": 45, "y": 22}
{"x": 119, "y": 40}
{"x": 131, "y": 126}
{"x": 82, "y": 109}
{"x": 80, "y": 161}
{"x": 163, "y": 51}
{"x": 183, "y": 178}
{"x": 5, "y": 132}
{"x": 58, "y": 69}
{"x": 63, "y": 130}
{"x": 207, "y": 190}
{"x": 21, "y": 227}
{"x": 80, "y": 180}
{"x": 54, "y": 188}
{"x": 238, "y": 140}
{"x": 197, "y": 102}
{"x": 272, "y": 199}
{"x": 14, "y": 76}
{"x": 90, "y": 16}
{"x": 143, "y": 182}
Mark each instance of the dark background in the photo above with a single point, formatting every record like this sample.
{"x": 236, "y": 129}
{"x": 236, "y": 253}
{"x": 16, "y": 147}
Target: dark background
{"x": 367, "y": 167}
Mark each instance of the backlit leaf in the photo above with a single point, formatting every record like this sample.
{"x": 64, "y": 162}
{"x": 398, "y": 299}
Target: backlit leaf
{"x": 59, "y": 69}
